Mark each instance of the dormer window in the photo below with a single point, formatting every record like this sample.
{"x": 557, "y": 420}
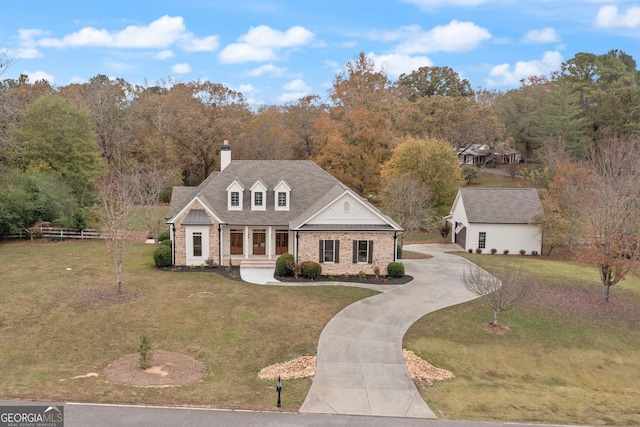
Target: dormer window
{"x": 282, "y": 199}
{"x": 234, "y": 196}
{"x": 258, "y": 196}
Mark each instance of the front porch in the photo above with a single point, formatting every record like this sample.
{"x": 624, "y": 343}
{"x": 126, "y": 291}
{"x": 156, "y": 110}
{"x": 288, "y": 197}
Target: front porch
{"x": 254, "y": 244}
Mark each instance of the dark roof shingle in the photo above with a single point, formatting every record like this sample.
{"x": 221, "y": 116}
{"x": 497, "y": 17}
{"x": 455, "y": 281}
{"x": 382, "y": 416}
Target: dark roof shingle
{"x": 501, "y": 205}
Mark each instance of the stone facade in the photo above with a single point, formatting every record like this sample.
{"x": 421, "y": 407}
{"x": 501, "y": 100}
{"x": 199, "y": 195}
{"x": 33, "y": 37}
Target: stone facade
{"x": 180, "y": 238}
{"x": 383, "y": 251}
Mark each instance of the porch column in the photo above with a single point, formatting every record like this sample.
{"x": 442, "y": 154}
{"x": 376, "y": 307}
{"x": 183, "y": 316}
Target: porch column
{"x": 247, "y": 248}
{"x": 269, "y": 250}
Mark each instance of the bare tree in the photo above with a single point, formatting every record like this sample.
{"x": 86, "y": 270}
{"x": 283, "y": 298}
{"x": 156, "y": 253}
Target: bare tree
{"x": 501, "y": 291}
{"x": 147, "y": 182}
{"x": 116, "y": 212}
{"x": 408, "y": 201}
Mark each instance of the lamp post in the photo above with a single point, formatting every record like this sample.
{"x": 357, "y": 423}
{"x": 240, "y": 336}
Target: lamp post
{"x": 279, "y": 389}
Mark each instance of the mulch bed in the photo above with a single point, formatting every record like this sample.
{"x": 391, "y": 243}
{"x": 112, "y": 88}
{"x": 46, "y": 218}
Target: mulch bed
{"x": 370, "y": 279}
{"x": 167, "y": 368}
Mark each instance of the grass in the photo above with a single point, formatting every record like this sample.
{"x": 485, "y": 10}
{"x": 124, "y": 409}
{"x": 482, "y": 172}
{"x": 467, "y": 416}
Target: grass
{"x": 568, "y": 357}
{"x": 51, "y": 331}
{"x": 490, "y": 180}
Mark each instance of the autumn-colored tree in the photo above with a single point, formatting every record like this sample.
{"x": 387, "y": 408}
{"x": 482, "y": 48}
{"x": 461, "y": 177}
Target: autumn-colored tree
{"x": 459, "y": 120}
{"x": 562, "y": 205}
{"x": 202, "y": 115}
{"x": 610, "y": 212}
{"x": 432, "y": 81}
{"x": 107, "y": 102}
{"x": 433, "y": 163}
{"x": 355, "y": 137}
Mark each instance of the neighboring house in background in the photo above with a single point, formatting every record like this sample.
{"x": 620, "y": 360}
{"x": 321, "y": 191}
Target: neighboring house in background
{"x": 259, "y": 209}
{"x": 482, "y": 154}
{"x": 496, "y": 218}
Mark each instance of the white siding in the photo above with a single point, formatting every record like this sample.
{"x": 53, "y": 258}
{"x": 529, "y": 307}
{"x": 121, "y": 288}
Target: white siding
{"x": 347, "y": 210}
{"x": 513, "y": 237}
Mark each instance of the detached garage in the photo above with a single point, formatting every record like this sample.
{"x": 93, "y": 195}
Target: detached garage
{"x": 496, "y": 218}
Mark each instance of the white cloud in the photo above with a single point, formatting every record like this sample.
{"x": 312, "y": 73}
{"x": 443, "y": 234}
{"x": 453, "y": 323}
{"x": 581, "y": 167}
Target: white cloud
{"x": 432, "y": 4}
{"x": 39, "y": 75}
{"x": 609, "y": 17}
{"x": 165, "y": 54}
{"x": 545, "y": 35}
{"x": 297, "y": 85}
{"x": 263, "y": 43}
{"x": 161, "y": 33}
{"x": 183, "y": 68}
{"x": 267, "y": 69}
{"x": 394, "y": 64}
{"x": 296, "y": 89}
{"x": 77, "y": 80}
{"x": 454, "y": 37}
{"x": 506, "y": 75}
{"x": 247, "y": 88}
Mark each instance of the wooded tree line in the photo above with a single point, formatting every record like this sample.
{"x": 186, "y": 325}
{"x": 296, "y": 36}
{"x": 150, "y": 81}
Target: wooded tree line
{"x": 378, "y": 136}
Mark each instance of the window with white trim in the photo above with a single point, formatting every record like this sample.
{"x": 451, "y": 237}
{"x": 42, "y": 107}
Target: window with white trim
{"x": 235, "y": 198}
{"x": 329, "y": 251}
{"x": 363, "y": 251}
{"x": 282, "y": 199}
{"x": 257, "y": 198}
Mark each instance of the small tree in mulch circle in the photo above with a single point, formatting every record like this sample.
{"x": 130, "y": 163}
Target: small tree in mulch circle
{"x": 144, "y": 349}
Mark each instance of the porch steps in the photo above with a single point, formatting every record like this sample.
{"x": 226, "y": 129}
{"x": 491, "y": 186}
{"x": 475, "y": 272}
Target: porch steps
{"x": 258, "y": 263}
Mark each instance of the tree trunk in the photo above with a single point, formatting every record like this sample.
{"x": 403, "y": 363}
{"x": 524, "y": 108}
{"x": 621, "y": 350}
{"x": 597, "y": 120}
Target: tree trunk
{"x": 495, "y": 317}
{"x": 605, "y": 292}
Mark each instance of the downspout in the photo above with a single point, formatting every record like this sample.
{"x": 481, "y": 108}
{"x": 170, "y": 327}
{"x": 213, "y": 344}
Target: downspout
{"x": 395, "y": 246}
{"x": 297, "y": 240}
{"x": 220, "y": 244}
{"x": 173, "y": 245}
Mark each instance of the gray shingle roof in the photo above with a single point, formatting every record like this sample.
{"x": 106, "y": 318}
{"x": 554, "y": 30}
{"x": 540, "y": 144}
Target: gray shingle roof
{"x": 500, "y": 205}
{"x": 197, "y": 217}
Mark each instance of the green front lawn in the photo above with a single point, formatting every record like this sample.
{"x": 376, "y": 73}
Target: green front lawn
{"x": 568, "y": 357}
{"x": 54, "y": 326}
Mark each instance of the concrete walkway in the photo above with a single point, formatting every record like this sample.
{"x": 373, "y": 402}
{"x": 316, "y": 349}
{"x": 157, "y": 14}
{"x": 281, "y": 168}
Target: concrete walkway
{"x": 360, "y": 367}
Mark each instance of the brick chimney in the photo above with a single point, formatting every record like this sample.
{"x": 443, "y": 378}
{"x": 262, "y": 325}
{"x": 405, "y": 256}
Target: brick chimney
{"x": 225, "y": 155}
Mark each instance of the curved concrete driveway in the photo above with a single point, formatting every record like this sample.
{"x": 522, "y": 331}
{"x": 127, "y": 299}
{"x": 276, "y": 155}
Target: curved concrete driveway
{"x": 360, "y": 367}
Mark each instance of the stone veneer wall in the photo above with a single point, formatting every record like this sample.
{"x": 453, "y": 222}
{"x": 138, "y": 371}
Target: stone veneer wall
{"x": 179, "y": 238}
{"x": 383, "y": 250}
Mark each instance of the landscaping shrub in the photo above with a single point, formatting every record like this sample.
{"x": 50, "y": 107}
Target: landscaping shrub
{"x": 311, "y": 270}
{"x": 163, "y": 236}
{"x": 478, "y": 251}
{"x": 395, "y": 269}
{"x": 282, "y": 269}
{"x": 162, "y": 256}
{"x": 399, "y": 252}
{"x": 506, "y": 252}
{"x": 165, "y": 243}
{"x": 144, "y": 349}
{"x": 494, "y": 251}
{"x": 522, "y": 252}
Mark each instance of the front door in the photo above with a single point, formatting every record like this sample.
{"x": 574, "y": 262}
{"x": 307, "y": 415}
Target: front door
{"x": 259, "y": 242}
{"x": 282, "y": 242}
{"x": 236, "y": 242}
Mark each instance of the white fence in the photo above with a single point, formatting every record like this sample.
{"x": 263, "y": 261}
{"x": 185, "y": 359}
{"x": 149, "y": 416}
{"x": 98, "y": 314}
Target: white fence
{"x": 53, "y": 232}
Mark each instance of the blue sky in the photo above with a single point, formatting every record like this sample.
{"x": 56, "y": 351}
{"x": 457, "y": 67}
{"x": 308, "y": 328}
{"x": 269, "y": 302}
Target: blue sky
{"x": 275, "y": 51}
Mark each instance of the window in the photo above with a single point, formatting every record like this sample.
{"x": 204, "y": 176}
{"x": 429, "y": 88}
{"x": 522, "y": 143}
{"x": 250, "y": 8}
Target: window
{"x": 363, "y": 251}
{"x": 197, "y": 244}
{"x": 257, "y": 199}
{"x": 235, "y": 198}
{"x": 482, "y": 240}
{"x": 282, "y": 199}
{"x": 329, "y": 251}
{"x": 346, "y": 207}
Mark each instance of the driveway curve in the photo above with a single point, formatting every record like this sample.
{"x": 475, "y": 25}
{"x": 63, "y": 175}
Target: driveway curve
{"x": 360, "y": 366}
